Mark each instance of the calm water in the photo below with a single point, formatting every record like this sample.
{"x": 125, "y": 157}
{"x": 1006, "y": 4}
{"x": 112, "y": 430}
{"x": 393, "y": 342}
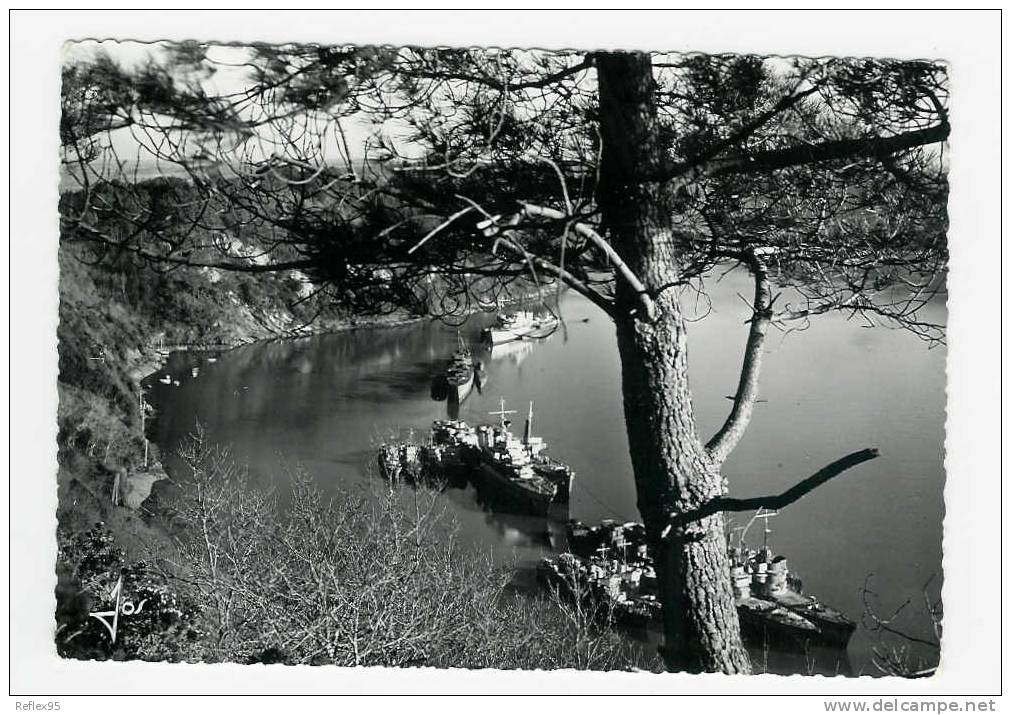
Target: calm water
{"x": 837, "y": 387}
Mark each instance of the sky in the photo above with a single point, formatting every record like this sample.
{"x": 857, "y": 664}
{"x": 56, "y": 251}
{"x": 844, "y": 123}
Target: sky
{"x": 231, "y": 77}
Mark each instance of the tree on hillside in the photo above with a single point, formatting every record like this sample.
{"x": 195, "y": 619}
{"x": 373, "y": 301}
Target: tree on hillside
{"x": 624, "y": 176}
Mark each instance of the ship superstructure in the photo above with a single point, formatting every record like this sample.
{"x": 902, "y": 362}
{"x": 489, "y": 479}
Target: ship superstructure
{"x": 505, "y": 465}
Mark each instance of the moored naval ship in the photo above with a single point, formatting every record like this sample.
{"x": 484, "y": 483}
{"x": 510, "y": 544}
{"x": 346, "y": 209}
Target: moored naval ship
{"x": 519, "y": 325}
{"x": 439, "y": 460}
{"x": 407, "y": 461}
{"x": 460, "y": 374}
{"x": 533, "y": 454}
{"x": 613, "y": 564}
{"x": 507, "y": 471}
{"x": 762, "y": 573}
{"x": 768, "y": 577}
{"x": 504, "y": 467}
{"x": 452, "y": 441}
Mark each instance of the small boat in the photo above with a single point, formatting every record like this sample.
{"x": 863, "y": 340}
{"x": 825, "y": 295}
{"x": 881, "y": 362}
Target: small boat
{"x": 410, "y": 462}
{"x": 389, "y": 460}
{"x": 519, "y": 325}
{"x": 400, "y": 461}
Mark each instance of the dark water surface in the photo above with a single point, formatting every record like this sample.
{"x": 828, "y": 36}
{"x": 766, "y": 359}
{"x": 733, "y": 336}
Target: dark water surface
{"x": 323, "y": 403}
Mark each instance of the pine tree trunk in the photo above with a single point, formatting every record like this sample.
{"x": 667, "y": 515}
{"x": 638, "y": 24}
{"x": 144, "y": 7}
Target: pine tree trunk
{"x": 673, "y": 471}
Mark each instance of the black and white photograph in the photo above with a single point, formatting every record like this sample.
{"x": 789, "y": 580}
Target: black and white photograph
{"x": 467, "y": 356}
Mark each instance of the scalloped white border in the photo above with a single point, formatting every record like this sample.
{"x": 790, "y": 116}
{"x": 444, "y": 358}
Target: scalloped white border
{"x": 969, "y": 41}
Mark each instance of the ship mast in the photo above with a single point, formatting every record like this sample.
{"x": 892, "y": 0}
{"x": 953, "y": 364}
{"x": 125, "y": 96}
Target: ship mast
{"x": 766, "y": 531}
{"x": 763, "y": 514}
{"x": 528, "y": 428}
{"x": 502, "y": 412}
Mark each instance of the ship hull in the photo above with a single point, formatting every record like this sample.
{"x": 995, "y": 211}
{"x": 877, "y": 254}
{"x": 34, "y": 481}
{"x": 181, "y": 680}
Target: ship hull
{"x": 498, "y": 336}
{"x": 762, "y": 622}
{"x": 787, "y": 618}
{"x": 765, "y": 623}
{"x": 458, "y": 392}
{"x": 757, "y": 627}
{"x": 834, "y": 628}
{"x": 559, "y": 475}
{"x": 499, "y": 487}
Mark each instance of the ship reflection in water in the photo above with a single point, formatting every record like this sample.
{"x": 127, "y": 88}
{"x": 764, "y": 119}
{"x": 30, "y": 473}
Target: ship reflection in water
{"x": 520, "y": 530}
{"x": 514, "y": 353}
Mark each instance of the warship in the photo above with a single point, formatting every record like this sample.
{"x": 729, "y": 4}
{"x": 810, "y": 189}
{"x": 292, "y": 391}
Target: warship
{"x": 460, "y": 374}
{"x": 504, "y": 467}
{"x": 517, "y": 326}
{"x": 508, "y": 471}
{"x": 768, "y": 575}
{"x": 613, "y": 564}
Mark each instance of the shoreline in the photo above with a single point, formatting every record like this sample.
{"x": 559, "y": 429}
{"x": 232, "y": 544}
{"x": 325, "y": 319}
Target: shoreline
{"x": 363, "y": 323}
{"x": 138, "y": 486}
{"x": 165, "y": 350}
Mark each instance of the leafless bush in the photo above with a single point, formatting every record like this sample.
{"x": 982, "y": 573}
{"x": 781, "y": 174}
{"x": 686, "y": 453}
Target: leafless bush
{"x": 900, "y": 651}
{"x": 360, "y": 579}
{"x": 586, "y": 613}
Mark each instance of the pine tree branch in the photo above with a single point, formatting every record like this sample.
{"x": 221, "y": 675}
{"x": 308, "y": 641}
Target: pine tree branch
{"x": 779, "y": 501}
{"x": 485, "y": 80}
{"x": 97, "y": 236}
{"x": 753, "y": 126}
{"x": 570, "y": 280}
{"x": 773, "y": 160}
{"x": 597, "y": 240}
{"x": 724, "y": 441}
